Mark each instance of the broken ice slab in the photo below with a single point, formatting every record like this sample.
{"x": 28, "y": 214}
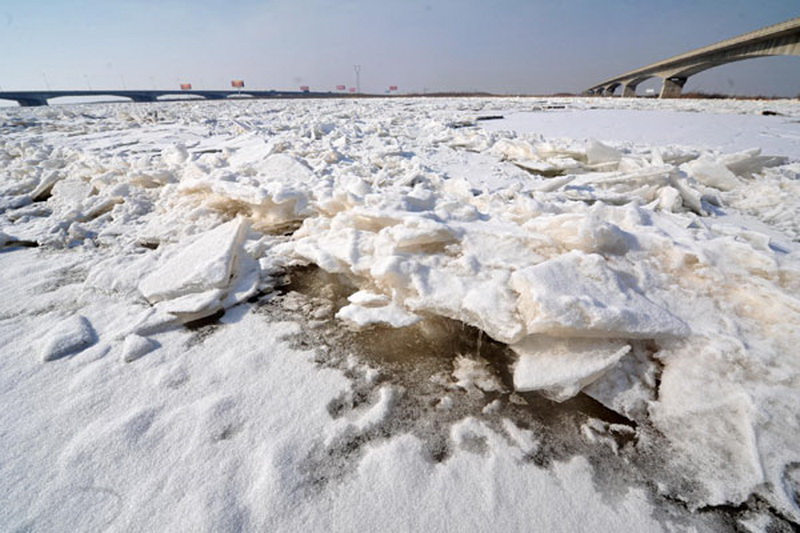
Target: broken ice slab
{"x": 598, "y": 153}
{"x": 205, "y": 264}
{"x": 579, "y": 295}
{"x": 367, "y": 308}
{"x": 211, "y": 273}
{"x": 560, "y": 367}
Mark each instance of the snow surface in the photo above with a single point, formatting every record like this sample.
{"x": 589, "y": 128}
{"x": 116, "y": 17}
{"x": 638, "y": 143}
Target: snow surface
{"x": 400, "y": 315}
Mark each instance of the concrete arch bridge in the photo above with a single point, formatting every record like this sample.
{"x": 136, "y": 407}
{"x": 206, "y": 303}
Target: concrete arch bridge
{"x": 40, "y": 98}
{"x": 779, "y": 39}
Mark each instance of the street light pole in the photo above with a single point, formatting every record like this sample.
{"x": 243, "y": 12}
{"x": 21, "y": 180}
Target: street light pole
{"x": 357, "y": 68}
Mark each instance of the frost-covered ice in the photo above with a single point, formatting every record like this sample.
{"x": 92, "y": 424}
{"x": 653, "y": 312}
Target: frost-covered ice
{"x": 198, "y": 298}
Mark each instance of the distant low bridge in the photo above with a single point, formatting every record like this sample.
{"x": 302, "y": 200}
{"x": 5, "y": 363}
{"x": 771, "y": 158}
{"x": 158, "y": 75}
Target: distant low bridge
{"x": 780, "y": 39}
{"x": 39, "y": 98}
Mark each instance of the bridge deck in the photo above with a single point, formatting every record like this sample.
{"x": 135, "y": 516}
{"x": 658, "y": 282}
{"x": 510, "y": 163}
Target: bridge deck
{"x": 38, "y": 98}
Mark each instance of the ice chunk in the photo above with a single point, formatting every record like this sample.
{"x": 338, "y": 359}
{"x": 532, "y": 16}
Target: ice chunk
{"x": 245, "y": 282}
{"x": 514, "y": 149}
{"x": 579, "y": 295}
{"x": 285, "y": 169}
{"x": 630, "y": 385}
{"x": 45, "y": 186}
{"x": 596, "y": 235}
{"x": 212, "y": 273}
{"x": 750, "y": 162}
{"x": 719, "y": 440}
{"x": 68, "y": 337}
{"x": 598, "y": 153}
{"x": 540, "y": 168}
{"x": 415, "y": 236}
{"x": 137, "y": 346}
{"x": 205, "y": 264}
{"x": 483, "y": 300}
{"x": 271, "y": 205}
{"x": 690, "y": 197}
{"x": 368, "y": 299}
{"x": 193, "y": 305}
{"x": 175, "y": 155}
{"x": 711, "y": 172}
{"x": 669, "y": 199}
{"x": 560, "y": 368}
{"x": 370, "y": 308}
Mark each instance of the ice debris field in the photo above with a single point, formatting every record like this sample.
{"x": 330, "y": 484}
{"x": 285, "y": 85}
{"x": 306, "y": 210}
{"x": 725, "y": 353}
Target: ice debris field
{"x": 400, "y": 315}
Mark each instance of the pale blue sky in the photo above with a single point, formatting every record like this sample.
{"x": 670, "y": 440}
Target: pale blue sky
{"x": 505, "y": 46}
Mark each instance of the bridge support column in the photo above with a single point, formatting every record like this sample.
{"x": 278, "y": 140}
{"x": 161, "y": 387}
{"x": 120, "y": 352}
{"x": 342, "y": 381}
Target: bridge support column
{"x": 672, "y": 87}
{"x": 31, "y": 101}
{"x": 629, "y": 91}
{"x": 142, "y": 98}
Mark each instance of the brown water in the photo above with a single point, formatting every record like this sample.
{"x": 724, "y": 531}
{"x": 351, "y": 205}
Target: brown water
{"x": 421, "y": 357}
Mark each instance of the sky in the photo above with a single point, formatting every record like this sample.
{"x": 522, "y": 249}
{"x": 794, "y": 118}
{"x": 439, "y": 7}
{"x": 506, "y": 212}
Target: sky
{"x": 500, "y": 46}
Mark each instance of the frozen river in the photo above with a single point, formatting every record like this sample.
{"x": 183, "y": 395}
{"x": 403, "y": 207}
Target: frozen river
{"x": 727, "y": 132}
{"x": 400, "y": 315}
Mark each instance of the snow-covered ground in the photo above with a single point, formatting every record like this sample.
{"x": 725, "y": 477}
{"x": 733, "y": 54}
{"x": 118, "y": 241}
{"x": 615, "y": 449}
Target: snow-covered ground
{"x": 400, "y": 315}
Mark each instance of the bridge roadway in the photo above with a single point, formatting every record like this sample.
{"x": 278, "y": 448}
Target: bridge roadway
{"x": 39, "y": 98}
{"x": 779, "y": 39}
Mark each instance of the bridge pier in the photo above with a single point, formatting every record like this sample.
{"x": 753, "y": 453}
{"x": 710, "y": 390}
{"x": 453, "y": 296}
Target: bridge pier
{"x": 629, "y": 91}
{"x": 672, "y": 87}
{"x": 31, "y": 101}
{"x": 141, "y": 98}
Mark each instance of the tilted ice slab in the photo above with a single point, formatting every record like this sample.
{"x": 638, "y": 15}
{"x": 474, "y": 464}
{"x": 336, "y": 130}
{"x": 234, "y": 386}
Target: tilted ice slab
{"x": 211, "y": 273}
{"x": 559, "y": 368}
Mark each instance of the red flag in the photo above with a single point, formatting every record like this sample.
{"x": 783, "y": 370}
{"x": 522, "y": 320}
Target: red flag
{"x": 392, "y": 87}
{"x": 340, "y": 87}
{"x": 186, "y": 86}
{"x": 238, "y": 84}
{"x": 352, "y": 89}
{"x": 304, "y": 88}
